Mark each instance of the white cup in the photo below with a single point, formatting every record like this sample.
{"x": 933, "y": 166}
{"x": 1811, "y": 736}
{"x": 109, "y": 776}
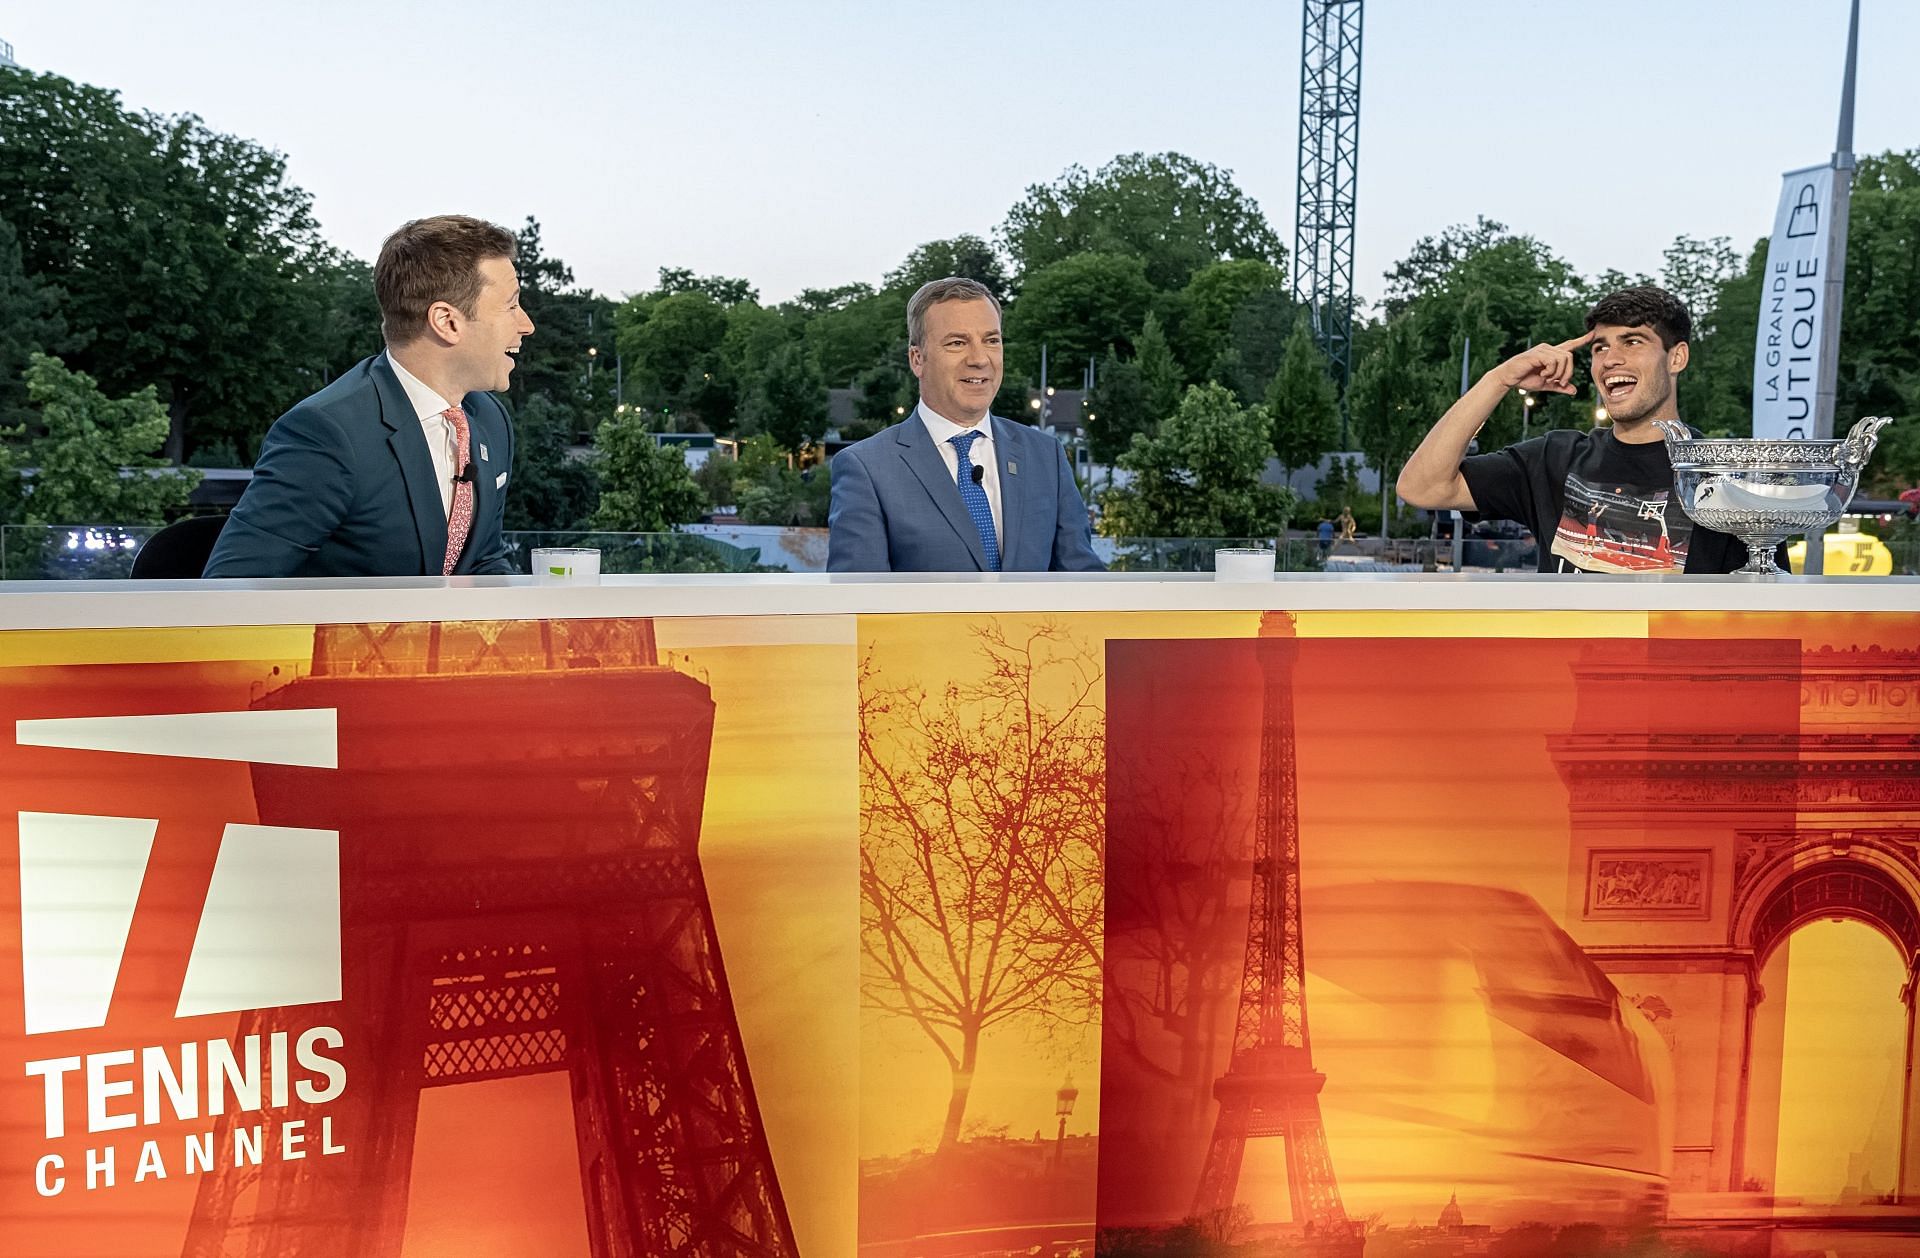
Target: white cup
{"x": 1243, "y": 563}
{"x": 566, "y": 565}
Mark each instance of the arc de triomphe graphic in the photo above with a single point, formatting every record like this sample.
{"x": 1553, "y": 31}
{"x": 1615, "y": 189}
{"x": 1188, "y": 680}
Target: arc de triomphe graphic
{"x": 1721, "y": 795}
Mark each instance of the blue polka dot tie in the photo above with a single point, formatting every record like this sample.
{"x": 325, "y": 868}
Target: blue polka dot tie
{"x": 974, "y": 495}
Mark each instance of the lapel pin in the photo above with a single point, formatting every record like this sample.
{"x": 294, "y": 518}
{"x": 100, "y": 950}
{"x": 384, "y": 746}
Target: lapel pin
{"x": 483, "y": 452}
{"x": 1013, "y": 469}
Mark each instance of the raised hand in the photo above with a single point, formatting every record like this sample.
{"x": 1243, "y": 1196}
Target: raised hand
{"x": 1542, "y": 369}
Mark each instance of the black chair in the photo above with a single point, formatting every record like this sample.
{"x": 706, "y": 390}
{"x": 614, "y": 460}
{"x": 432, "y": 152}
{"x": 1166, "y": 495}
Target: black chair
{"x": 179, "y": 551}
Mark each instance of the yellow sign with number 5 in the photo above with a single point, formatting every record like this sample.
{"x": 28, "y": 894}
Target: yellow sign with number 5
{"x": 1848, "y": 555}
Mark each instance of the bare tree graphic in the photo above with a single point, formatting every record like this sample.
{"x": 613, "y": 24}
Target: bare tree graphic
{"x": 1181, "y": 833}
{"x": 982, "y": 817}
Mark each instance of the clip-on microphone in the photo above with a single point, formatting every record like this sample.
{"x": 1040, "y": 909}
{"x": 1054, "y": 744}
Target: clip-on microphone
{"x": 466, "y": 474}
{"x": 979, "y": 473}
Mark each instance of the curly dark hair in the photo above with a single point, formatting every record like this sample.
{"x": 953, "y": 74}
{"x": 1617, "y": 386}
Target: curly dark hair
{"x": 1644, "y": 306}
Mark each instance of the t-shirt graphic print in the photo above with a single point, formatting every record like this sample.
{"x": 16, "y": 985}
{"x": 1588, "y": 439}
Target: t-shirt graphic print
{"x": 1613, "y": 527}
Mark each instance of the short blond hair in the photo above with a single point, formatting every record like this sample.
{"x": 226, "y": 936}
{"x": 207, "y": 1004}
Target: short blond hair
{"x": 933, "y": 292}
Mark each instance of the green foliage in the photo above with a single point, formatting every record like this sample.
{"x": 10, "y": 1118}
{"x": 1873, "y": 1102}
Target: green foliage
{"x": 1171, "y": 212}
{"x": 1398, "y": 392}
{"x": 92, "y": 458}
{"x": 552, "y": 489}
{"x": 1255, "y": 340}
{"x": 1209, "y": 303}
{"x": 766, "y": 486}
{"x": 184, "y": 255}
{"x": 886, "y": 392}
{"x": 671, "y": 344}
{"x": 1117, "y": 408}
{"x": 30, "y": 322}
{"x": 645, "y": 487}
{"x": 1301, "y": 400}
{"x": 1880, "y": 324}
{"x": 1160, "y": 379}
{"x": 567, "y": 322}
{"x": 723, "y": 289}
{"x": 1199, "y": 474}
{"x": 1078, "y": 307}
{"x": 968, "y": 257}
{"x": 787, "y": 399}
{"x": 852, "y": 335}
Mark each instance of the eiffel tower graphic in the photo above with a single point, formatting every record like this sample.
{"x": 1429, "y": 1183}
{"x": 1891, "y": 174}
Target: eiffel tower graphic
{"x": 519, "y": 808}
{"x": 1270, "y": 1087}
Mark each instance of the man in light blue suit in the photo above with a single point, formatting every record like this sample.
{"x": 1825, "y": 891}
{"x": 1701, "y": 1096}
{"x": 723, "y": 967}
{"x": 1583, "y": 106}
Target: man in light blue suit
{"x": 953, "y": 488}
{"x": 399, "y": 467}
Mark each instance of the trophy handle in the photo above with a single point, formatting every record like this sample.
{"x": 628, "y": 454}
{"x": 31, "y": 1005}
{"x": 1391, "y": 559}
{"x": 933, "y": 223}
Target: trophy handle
{"x": 1675, "y": 432}
{"x": 1858, "y": 446}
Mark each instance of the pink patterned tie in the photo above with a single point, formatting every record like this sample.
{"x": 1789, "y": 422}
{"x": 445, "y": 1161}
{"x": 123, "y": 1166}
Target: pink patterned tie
{"x": 460, "y": 516}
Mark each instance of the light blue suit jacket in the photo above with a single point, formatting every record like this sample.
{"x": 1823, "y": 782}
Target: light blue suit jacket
{"x": 345, "y": 487}
{"x": 896, "y": 507}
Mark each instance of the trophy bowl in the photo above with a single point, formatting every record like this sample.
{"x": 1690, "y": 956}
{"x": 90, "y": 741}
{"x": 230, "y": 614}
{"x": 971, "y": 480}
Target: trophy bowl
{"x": 1764, "y": 491}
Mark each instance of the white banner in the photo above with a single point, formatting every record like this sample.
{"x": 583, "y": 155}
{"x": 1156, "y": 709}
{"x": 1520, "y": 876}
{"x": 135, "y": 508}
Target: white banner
{"x": 1786, "y": 351}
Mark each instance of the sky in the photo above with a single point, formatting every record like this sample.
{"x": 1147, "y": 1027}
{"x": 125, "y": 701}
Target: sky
{"x": 814, "y": 144}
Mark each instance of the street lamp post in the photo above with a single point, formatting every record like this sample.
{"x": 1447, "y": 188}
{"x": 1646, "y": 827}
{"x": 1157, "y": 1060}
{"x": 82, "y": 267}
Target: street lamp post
{"x": 1063, "y": 1107}
{"x": 1526, "y": 412}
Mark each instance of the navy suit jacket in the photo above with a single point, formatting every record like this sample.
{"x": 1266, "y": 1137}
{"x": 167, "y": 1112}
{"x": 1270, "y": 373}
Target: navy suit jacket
{"x": 896, "y": 507}
{"x": 345, "y": 487}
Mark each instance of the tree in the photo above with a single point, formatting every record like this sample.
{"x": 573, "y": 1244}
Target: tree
{"x": 1173, "y": 213}
{"x": 30, "y": 323}
{"x": 1397, "y": 394}
{"x": 1433, "y": 258}
{"x": 1694, "y": 270}
{"x": 853, "y": 335}
{"x": 186, "y": 257}
{"x": 771, "y": 491}
{"x": 981, "y": 831}
{"x": 883, "y": 394}
{"x": 968, "y": 257}
{"x": 1199, "y": 474}
{"x": 1117, "y": 408}
{"x": 672, "y": 343}
{"x": 1301, "y": 400}
{"x": 1255, "y": 340}
{"x": 1160, "y": 377}
{"x": 567, "y": 322}
{"x": 552, "y": 490}
{"x": 788, "y": 399}
{"x": 723, "y": 289}
{"x": 1077, "y": 307}
{"x": 93, "y": 459}
{"x": 645, "y": 487}
{"x": 1208, "y": 305}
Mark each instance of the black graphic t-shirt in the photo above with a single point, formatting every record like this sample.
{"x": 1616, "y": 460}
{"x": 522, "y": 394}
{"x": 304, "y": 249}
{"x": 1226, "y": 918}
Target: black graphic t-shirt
{"x": 1597, "y": 504}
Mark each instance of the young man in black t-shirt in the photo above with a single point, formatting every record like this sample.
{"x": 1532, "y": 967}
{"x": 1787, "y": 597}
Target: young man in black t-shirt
{"x": 1600, "y": 500}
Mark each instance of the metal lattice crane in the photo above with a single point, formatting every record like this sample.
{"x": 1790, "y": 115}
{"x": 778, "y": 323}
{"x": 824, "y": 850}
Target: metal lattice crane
{"x": 1329, "y": 166}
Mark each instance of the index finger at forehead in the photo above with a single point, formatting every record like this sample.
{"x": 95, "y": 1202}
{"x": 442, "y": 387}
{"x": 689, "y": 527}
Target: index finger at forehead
{"x": 1578, "y": 341}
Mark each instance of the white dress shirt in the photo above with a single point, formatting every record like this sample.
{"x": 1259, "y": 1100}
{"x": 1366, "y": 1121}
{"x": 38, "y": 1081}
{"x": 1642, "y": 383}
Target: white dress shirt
{"x": 943, "y": 430}
{"x": 441, "y": 441}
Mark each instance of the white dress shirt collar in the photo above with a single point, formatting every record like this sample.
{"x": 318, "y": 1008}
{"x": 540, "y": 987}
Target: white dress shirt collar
{"x": 943, "y": 430}
{"x": 426, "y": 403}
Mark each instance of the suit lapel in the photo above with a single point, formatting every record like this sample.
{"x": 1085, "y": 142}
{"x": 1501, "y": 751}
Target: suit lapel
{"x": 925, "y": 461}
{"x": 409, "y": 446}
{"x": 1010, "y": 495}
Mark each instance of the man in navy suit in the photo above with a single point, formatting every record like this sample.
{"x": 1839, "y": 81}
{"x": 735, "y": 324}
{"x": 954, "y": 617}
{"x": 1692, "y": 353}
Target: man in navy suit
{"x": 399, "y": 467}
{"x": 954, "y": 489}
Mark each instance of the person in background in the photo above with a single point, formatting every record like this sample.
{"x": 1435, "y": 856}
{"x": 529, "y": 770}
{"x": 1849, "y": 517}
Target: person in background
{"x": 953, "y": 488}
{"x": 401, "y": 466}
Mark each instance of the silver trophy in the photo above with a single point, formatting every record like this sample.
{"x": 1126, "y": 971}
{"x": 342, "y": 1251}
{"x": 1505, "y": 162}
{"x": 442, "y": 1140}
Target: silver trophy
{"x": 1765, "y": 491}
